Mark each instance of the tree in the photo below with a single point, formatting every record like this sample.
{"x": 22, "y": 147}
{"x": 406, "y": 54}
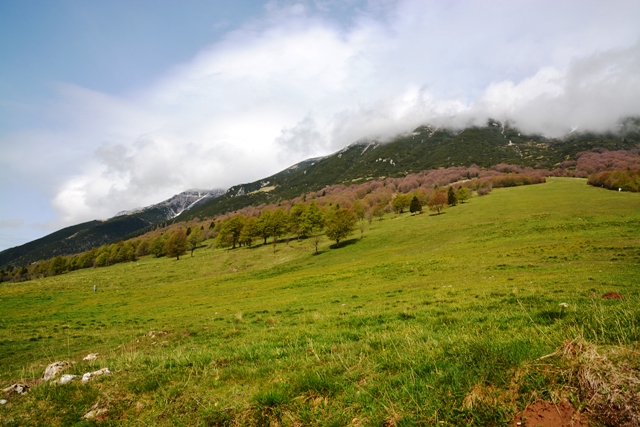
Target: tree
{"x": 157, "y": 247}
{"x": 358, "y": 209}
{"x": 102, "y": 259}
{"x": 194, "y": 239}
{"x": 340, "y": 224}
{"x": 437, "y": 202}
{"x": 452, "y": 200}
{"x": 176, "y": 245}
{"x": 312, "y": 223}
{"x": 230, "y": 230}
{"x": 295, "y": 218}
{"x": 264, "y": 227}
{"x": 369, "y": 216}
{"x": 279, "y": 223}
{"x": 378, "y": 211}
{"x": 401, "y": 202}
{"x": 463, "y": 194}
{"x": 143, "y": 248}
{"x": 58, "y": 265}
{"x": 249, "y": 232}
{"x": 415, "y": 205}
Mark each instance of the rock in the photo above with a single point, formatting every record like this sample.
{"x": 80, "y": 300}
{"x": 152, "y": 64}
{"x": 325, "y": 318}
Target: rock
{"x": 89, "y": 375}
{"x": 3, "y": 402}
{"x": 91, "y": 356}
{"x": 16, "y": 389}
{"x": 94, "y": 413}
{"x": 54, "y": 369}
{"x": 66, "y": 378}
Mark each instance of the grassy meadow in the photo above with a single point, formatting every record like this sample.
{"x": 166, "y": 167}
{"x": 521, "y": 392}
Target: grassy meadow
{"x": 426, "y": 320}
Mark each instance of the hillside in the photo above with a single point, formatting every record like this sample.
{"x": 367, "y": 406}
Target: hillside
{"x": 462, "y": 318}
{"x": 81, "y": 237}
{"x": 424, "y": 148}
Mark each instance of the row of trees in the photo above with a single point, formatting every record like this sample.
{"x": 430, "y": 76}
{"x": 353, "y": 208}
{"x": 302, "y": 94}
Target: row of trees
{"x": 323, "y": 216}
{"x": 302, "y": 220}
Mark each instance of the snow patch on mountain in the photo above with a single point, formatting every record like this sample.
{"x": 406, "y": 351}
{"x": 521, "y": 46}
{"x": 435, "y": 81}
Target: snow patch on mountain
{"x": 179, "y": 203}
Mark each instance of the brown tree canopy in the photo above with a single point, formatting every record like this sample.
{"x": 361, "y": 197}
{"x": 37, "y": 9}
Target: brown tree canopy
{"x": 437, "y": 202}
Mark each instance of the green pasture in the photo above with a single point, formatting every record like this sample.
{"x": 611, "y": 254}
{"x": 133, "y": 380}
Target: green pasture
{"x": 427, "y": 320}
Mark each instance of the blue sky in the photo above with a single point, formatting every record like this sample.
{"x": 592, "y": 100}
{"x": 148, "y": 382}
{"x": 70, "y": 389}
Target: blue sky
{"x": 112, "y": 105}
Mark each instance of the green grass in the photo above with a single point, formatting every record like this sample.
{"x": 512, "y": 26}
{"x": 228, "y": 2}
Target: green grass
{"x": 409, "y": 325}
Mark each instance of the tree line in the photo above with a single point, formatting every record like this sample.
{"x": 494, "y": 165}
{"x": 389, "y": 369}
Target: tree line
{"x": 335, "y": 212}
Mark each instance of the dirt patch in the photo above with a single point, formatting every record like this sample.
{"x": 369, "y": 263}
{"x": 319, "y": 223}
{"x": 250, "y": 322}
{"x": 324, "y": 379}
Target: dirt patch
{"x": 547, "y": 414}
{"x": 612, "y": 295}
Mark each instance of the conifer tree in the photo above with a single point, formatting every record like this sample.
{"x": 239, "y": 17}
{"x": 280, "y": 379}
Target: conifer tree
{"x": 415, "y": 205}
{"x": 452, "y": 200}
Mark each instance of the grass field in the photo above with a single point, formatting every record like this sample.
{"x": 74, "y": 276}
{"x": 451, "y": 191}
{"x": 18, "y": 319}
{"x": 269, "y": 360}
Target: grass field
{"x": 426, "y": 320}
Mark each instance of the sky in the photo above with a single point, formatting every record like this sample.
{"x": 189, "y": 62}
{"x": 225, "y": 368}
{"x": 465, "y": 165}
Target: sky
{"x": 112, "y": 105}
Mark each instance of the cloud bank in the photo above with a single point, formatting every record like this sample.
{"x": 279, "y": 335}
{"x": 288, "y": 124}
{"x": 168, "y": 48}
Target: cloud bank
{"x": 295, "y": 84}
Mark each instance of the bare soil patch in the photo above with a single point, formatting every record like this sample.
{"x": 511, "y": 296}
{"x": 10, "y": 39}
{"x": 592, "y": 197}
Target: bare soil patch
{"x": 548, "y": 414}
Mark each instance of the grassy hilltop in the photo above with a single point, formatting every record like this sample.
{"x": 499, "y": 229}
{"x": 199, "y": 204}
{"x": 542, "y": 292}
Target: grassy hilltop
{"x": 426, "y": 320}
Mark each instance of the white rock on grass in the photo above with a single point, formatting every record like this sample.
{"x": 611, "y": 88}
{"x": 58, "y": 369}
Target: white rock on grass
{"x": 16, "y": 388}
{"x": 89, "y": 375}
{"x": 54, "y": 369}
{"x": 91, "y": 356}
{"x": 94, "y": 413}
{"x": 3, "y": 402}
{"x": 66, "y": 378}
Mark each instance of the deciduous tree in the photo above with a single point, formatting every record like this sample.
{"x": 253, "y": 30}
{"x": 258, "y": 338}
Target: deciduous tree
{"x": 437, "y": 202}
{"x": 230, "y": 230}
{"x": 194, "y": 239}
{"x": 176, "y": 244}
{"x": 312, "y": 223}
{"x": 401, "y": 202}
{"x": 340, "y": 224}
{"x": 463, "y": 194}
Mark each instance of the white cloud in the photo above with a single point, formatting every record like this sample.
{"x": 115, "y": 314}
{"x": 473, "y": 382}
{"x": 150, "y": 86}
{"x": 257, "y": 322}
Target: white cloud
{"x": 292, "y": 86}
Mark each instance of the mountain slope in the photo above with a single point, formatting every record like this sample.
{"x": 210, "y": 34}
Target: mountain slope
{"x": 81, "y": 237}
{"x": 424, "y": 148}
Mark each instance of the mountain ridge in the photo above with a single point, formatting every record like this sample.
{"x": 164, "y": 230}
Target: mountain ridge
{"x": 426, "y": 147}
{"x": 84, "y": 236}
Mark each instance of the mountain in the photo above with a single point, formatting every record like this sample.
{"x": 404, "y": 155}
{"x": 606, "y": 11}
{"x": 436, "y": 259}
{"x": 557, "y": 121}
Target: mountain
{"x": 424, "y": 148}
{"x": 81, "y": 237}
{"x": 178, "y": 204}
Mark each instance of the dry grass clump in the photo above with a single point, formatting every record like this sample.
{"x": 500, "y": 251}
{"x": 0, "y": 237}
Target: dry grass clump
{"x": 610, "y": 390}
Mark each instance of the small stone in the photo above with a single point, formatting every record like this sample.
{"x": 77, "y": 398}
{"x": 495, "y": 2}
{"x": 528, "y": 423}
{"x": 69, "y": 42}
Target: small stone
{"x": 91, "y": 356}
{"x": 3, "y": 402}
